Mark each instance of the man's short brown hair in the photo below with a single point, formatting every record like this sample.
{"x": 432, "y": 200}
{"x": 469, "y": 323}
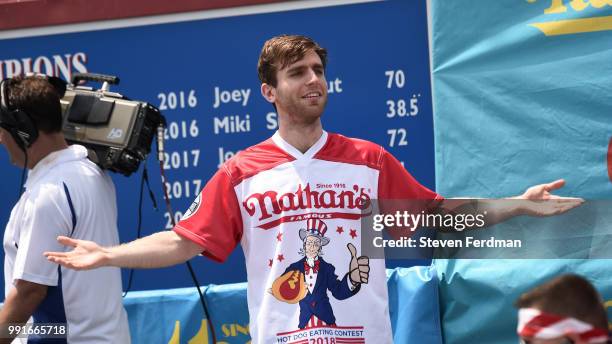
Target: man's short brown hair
{"x": 568, "y": 295}
{"x": 280, "y": 51}
{"x": 35, "y": 96}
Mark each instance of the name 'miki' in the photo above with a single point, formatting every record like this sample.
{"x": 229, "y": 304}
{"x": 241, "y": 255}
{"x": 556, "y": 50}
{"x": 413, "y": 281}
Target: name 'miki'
{"x": 232, "y": 124}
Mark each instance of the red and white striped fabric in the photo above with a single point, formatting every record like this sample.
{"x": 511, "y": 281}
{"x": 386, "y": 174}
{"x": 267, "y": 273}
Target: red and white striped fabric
{"x": 316, "y": 226}
{"x": 316, "y": 322}
{"x": 535, "y": 324}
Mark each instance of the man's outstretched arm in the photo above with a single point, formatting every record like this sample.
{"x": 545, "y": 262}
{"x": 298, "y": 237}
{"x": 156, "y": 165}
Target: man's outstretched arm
{"x": 536, "y": 201}
{"x": 154, "y": 251}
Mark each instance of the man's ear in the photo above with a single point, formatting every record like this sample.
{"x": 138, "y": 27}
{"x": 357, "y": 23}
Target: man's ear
{"x": 268, "y": 92}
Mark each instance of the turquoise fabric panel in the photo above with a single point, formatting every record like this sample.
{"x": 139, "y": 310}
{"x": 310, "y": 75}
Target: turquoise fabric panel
{"x": 514, "y": 107}
{"x": 414, "y": 307}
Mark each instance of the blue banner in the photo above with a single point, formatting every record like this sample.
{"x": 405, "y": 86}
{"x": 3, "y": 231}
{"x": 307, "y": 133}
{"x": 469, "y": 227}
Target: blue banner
{"x": 200, "y": 70}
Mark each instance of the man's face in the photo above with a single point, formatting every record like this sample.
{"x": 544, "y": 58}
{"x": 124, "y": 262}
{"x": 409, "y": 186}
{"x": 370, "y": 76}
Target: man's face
{"x": 301, "y": 89}
{"x": 312, "y": 246}
{"x": 15, "y": 153}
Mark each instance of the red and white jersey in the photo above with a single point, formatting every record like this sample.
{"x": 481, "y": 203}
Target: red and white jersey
{"x": 263, "y": 199}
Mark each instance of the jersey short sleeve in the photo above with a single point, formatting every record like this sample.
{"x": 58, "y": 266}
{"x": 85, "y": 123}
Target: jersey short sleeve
{"x": 46, "y": 215}
{"x": 399, "y": 191}
{"x": 396, "y": 183}
{"x": 213, "y": 220}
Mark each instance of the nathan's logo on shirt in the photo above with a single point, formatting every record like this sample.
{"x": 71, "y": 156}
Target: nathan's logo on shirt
{"x": 193, "y": 208}
{"x": 268, "y": 204}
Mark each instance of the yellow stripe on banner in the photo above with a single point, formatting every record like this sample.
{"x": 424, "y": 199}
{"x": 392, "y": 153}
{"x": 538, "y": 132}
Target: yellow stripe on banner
{"x": 607, "y": 305}
{"x": 566, "y": 27}
{"x": 176, "y": 334}
{"x": 202, "y": 336}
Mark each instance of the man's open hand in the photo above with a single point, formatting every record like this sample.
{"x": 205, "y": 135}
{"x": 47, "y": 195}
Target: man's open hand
{"x": 86, "y": 255}
{"x": 544, "y": 203}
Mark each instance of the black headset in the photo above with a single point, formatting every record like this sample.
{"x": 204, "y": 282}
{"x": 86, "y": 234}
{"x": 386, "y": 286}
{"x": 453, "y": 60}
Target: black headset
{"x": 16, "y": 121}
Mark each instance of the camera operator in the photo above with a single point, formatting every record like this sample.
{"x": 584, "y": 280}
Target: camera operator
{"x": 65, "y": 194}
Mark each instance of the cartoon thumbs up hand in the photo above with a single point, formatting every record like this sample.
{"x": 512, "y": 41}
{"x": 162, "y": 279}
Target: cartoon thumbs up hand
{"x": 359, "y": 268}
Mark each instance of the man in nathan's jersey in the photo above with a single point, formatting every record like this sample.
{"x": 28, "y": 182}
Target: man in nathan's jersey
{"x": 266, "y": 198}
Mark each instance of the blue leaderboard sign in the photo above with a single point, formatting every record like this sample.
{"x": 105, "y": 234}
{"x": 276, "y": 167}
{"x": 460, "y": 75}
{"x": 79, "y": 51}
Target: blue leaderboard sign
{"x": 201, "y": 73}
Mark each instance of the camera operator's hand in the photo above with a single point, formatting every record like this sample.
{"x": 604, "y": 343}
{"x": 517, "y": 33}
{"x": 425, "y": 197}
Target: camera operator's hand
{"x": 86, "y": 255}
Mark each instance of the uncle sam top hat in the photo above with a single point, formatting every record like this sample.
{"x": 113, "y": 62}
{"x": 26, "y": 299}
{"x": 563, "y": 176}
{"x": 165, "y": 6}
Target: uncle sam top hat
{"x": 316, "y": 228}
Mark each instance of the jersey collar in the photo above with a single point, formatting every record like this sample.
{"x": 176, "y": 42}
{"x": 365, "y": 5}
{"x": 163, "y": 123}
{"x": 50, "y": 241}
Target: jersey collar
{"x": 294, "y": 152}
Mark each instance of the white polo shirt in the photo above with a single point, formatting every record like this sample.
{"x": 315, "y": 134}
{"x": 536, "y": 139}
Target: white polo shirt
{"x": 66, "y": 194}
